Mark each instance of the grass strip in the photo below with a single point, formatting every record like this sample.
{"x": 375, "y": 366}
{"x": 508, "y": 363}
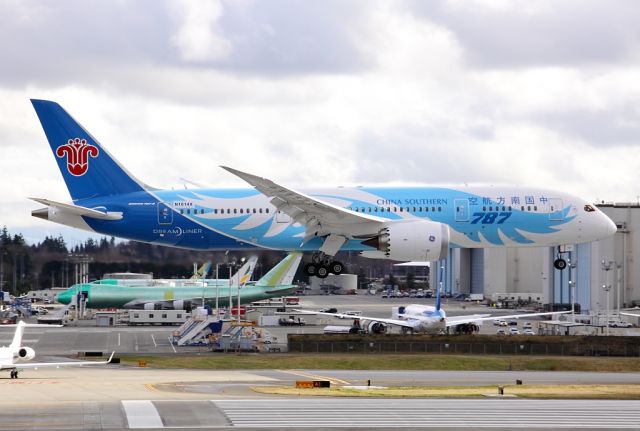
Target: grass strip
{"x": 605, "y": 392}
{"x": 232, "y": 361}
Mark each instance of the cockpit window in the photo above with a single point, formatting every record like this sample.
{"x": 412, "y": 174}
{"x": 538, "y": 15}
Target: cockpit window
{"x": 589, "y": 208}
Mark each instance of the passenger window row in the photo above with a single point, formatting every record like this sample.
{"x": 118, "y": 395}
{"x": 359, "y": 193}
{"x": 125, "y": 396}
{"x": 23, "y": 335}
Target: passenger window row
{"x": 227, "y": 211}
{"x": 394, "y": 209}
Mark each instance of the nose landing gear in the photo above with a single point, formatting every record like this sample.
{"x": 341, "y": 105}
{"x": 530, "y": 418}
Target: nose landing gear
{"x": 560, "y": 263}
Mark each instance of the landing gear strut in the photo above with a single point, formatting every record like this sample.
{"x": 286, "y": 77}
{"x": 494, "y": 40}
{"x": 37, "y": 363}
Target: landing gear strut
{"x": 322, "y": 265}
{"x": 560, "y": 263}
{"x": 14, "y": 374}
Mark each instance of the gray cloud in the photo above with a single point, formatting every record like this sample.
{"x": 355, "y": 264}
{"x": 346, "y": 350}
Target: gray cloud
{"x": 617, "y": 126}
{"x": 93, "y": 42}
{"x": 558, "y": 33}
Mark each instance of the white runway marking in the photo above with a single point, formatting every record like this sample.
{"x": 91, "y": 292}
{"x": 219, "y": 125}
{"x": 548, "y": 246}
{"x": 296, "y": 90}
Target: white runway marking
{"x": 399, "y": 413}
{"x": 141, "y": 414}
{"x": 154, "y": 340}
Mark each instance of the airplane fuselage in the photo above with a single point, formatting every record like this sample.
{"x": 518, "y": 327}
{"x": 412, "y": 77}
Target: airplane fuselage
{"x": 231, "y": 219}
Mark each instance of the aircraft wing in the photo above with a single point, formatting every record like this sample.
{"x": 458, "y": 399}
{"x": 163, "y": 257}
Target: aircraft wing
{"x": 459, "y": 320}
{"x": 34, "y": 365}
{"x": 629, "y": 314}
{"x": 80, "y": 210}
{"x": 408, "y": 323}
{"x": 318, "y": 217}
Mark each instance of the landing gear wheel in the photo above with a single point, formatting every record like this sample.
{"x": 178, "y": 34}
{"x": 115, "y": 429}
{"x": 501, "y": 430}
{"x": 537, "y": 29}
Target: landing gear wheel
{"x": 310, "y": 269}
{"x": 336, "y": 267}
{"x": 14, "y": 374}
{"x": 560, "y": 264}
{"x": 322, "y": 272}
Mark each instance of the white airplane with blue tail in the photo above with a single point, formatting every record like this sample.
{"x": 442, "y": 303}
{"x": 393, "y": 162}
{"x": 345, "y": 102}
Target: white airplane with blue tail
{"x": 415, "y": 224}
{"x": 429, "y": 319}
{"x": 13, "y": 356}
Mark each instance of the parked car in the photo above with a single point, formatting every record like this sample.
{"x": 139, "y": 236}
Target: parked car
{"x": 527, "y": 325}
{"x": 528, "y": 331}
{"x": 513, "y": 323}
{"x": 514, "y": 331}
{"x": 328, "y": 310}
{"x": 500, "y": 322}
{"x": 619, "y": 324}
{"x": 501, "y": 332}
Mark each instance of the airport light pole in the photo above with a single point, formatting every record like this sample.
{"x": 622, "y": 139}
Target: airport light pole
{"x": 217, "y": 293}
{"x": 238, "y": 310}
{"x": 606, "y": 267}
{"x": 230, "y": 303}
{"x": 572, "y": 289}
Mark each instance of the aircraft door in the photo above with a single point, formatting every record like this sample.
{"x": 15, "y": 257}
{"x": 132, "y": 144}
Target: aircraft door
{"x": 462, "y": 209}
{"x": 165, "y": 214}
{"x": 555, "y": 209}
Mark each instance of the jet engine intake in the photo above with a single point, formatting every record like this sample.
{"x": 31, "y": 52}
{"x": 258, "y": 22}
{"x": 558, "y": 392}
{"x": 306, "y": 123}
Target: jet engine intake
{"x": 420, "y": 240}
{"x": 26, "y": 353}
{"x": 376, "y": 327}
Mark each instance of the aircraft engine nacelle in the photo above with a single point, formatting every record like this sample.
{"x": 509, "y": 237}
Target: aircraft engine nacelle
{"x": 417, "y": 241}
{"x": 26, "y": 353}
{"x": 376, "y": 327}
{"x": 179, "y": 304}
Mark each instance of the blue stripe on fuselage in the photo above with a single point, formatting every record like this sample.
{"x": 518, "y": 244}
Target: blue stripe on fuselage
{"x": 202, "y": 229}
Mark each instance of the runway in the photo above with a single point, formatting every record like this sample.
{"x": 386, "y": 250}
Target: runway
{"x": 116, "y": 397}
{"x": 328, "y": 413}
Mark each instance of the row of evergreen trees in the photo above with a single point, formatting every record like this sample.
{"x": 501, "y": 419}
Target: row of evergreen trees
{"x": 50, "y": 263}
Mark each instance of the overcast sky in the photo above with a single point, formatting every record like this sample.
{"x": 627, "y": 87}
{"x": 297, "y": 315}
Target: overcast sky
{"x": 322, "y": 93}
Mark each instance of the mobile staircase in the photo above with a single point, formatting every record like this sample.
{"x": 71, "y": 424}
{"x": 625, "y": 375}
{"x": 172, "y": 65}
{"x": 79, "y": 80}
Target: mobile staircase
{"x": 196, "y": 330}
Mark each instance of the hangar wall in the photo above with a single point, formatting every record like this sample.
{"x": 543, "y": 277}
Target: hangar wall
{"x": 521, "y": 271}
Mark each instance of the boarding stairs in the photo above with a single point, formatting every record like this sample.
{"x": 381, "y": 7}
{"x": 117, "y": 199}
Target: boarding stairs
{"x": 199, "y": 330}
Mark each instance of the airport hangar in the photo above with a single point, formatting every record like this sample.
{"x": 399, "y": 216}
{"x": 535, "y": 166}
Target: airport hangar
{"x": 598, "y": 270}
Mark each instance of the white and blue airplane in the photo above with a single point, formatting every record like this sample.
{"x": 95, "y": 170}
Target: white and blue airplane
{"x": 415, "y": 224}
{"x": 429, "y": 319}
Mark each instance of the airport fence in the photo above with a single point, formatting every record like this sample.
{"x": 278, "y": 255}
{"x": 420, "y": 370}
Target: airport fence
{"x": 566, "y": 346}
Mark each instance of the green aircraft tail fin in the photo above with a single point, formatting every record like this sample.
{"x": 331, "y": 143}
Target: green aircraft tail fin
{"x": 282, "y": 274}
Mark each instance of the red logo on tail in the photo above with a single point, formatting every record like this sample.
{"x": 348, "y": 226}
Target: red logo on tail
{"x": 78, "y": 152}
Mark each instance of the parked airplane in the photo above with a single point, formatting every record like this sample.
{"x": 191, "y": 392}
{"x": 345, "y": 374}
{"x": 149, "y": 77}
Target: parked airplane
{"x": 241, "y": 277}
{"x": 398, "y": 223}
{"x": 106, "y": 294}
{"x": 16, "y": 352}
{"x": 427, "y": 319}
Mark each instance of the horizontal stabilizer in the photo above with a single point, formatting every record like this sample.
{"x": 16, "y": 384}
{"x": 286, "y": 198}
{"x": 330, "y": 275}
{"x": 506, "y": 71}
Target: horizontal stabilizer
{"x": 79, "y": 210}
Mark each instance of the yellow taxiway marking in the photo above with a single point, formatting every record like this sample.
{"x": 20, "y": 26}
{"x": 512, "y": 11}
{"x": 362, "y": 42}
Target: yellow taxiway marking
{"x": 333, "y": 380}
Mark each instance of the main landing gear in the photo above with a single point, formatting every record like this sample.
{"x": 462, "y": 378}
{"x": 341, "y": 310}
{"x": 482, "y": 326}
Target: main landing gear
{"x": 560, "y": 263}
{"x": 322, "y": 265}
{"x": 14, "y": 374}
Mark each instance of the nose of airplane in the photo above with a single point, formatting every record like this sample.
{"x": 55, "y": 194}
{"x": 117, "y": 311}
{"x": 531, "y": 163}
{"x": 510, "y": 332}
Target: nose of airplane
{"x": 605, "y": 226}
{"x": 64, "y": 297}
{"x": 610, "y": 226}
